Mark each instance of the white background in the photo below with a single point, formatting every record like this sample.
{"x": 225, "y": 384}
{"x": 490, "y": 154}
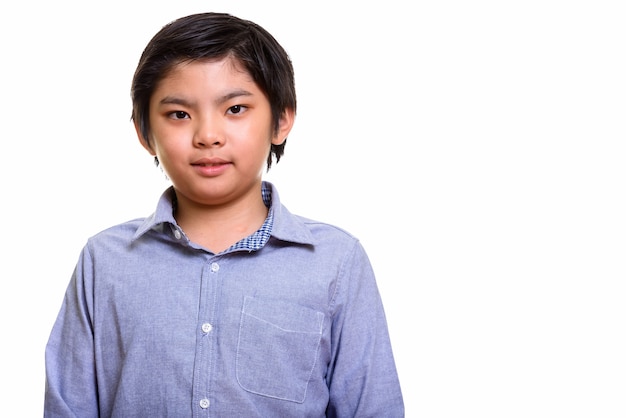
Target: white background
{"x": 476, "y": 148}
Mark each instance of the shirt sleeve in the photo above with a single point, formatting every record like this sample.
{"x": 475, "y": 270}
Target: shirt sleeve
{"x": 71, "y": 389}
{"x": 362, "y": 379}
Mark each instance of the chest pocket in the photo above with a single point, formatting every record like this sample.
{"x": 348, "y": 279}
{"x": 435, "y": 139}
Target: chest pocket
{"x": 278, "y": 347}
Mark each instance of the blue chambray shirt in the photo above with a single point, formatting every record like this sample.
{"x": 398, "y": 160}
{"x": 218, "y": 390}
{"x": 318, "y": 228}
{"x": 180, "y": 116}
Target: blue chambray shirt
{"x": 286, "y": 323}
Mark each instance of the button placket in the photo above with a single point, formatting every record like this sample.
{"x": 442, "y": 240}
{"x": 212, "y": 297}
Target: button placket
{"x": 204, "y": 380}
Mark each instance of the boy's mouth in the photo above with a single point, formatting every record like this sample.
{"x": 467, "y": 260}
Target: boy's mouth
{"x": 209, "y": 162}
{"x": 211, "y": 167}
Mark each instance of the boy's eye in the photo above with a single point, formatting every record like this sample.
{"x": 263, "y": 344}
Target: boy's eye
{"x": 236, "y": 109}
{"x": 179, "y": 114}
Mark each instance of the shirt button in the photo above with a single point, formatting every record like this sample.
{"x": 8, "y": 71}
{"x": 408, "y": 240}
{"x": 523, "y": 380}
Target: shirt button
{"x": 215, "y": 267}
{"x": 177, "y": 234}
{"x": 206, "y": 328}
{"x": 204, "y": 403}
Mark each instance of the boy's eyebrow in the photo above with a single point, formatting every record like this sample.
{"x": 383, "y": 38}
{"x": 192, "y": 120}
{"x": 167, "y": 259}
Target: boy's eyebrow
{"x": 220, "y": 100}
{"x": 174, "y": 100}
{"x": 232, "y": 95}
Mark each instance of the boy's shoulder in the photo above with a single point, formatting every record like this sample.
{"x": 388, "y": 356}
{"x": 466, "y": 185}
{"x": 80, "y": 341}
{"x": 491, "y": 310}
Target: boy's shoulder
{"x": 326, "y": 232}
{"x": 324, "y": 227}
{"x": 124, "y": 231}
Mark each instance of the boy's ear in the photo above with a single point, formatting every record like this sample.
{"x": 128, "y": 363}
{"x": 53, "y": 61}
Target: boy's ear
{"x": 284, "y": 126}
{"x": 144, "y": 143}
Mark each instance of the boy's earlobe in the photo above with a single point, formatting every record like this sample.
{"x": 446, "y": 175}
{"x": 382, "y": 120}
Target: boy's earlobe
{"x": 143, "y": 141}
{"x": 284, "y": 126}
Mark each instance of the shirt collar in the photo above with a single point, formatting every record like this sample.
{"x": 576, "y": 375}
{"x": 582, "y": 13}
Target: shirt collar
{"x": 285, "y": 226}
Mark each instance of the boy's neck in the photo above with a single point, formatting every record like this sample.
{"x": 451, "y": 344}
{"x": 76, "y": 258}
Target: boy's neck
{"x": 218, "y": 227}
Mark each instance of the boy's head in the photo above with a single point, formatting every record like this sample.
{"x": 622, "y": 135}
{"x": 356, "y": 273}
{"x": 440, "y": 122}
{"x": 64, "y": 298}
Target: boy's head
{"x": 212, "y": 36}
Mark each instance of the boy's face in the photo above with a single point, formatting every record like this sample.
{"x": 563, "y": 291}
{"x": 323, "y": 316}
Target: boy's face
{"x": 211, "y": 129}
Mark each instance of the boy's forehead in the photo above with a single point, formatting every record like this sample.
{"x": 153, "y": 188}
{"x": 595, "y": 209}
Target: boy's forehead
{"x": 229, "y": 62}
{"x": 184, "y": 69}
{"x": 222, "y": 76}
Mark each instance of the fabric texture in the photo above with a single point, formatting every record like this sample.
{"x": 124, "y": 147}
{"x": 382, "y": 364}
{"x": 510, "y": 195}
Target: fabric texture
{"x": 286, "y": 323}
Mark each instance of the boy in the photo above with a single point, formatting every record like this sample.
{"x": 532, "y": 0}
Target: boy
{"x": 222, "y": 303}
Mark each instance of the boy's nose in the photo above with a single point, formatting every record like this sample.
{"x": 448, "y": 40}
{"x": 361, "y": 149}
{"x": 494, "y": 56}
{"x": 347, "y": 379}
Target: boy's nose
{"x": 208, "y": 134}
{"x": 207, "y": 142}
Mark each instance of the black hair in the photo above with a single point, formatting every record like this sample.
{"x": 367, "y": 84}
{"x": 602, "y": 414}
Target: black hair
{"x": 215, "y": 36}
